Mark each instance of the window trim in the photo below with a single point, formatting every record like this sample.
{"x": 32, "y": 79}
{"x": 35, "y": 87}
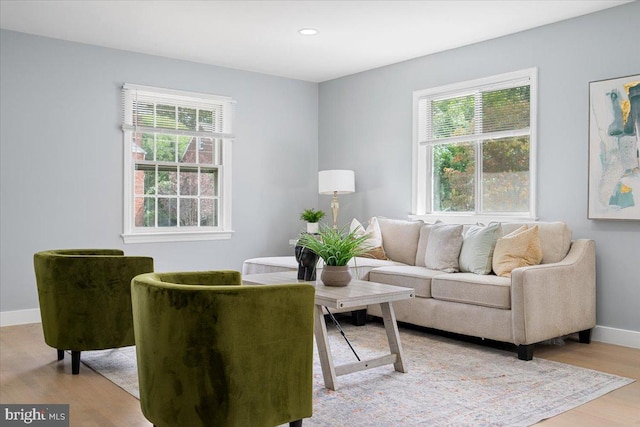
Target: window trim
{"x": 132, "y": 234}
{"x": 421, "y": 192}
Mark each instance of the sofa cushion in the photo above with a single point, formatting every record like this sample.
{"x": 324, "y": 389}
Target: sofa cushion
{"x": 517, "y": 249}
{"x": 555, "y": 239}
{"x": 361, "y": 266}
{"x": 443, "y": 247}
{"x": 478, "y": 243}
{"x": 468, "y": 288}
{"x": 400, "y": 239}
{"x": 410, "y": 276}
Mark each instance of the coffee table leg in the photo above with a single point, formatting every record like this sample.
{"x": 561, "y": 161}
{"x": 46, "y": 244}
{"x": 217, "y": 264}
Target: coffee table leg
{"x": 324, "y": 350}
{"x": 393, "y": 335}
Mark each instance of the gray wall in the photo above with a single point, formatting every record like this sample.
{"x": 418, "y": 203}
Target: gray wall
{"x": 62, "y": 156}
{"x": 365, "y": 124}
{"x": 61, "y": 177}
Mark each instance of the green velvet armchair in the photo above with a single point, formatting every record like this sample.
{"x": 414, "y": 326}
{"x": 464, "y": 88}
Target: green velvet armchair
{"x": 85, "y": 298}
{"x": 214, "y": 352}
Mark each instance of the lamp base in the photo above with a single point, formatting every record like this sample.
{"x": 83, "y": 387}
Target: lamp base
{"x": 335, "y": 206}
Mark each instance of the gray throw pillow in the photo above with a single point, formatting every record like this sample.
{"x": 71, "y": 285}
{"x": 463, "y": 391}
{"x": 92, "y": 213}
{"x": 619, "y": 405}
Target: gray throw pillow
{"x": 443, "y": 248}
{"x": 476, "y": 255}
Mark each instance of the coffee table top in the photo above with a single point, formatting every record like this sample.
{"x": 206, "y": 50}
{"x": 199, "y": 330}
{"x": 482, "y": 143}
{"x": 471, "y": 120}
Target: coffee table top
{"x": 356, "y": 293}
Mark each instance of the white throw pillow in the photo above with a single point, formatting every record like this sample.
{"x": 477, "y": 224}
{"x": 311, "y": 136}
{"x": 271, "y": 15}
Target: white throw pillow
{"x": 443, "y": 248}
{"x": 374, "y": 242}
{"x": 372, "y": 230}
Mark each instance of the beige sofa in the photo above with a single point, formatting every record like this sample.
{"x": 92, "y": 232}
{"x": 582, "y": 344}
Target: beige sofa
{"x": 537, "y": 303}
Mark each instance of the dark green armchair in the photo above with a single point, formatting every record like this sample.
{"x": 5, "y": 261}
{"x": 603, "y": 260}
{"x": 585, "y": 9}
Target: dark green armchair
{"x": 214, "y": 352}
{"x": 85, "y": 298}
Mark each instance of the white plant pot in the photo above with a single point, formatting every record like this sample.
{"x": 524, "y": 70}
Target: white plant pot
{"x": 313, "y": 227}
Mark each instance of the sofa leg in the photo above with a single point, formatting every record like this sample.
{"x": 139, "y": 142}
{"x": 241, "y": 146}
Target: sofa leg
{"x": 525, "y": 351}
{"x": 296, "y": 423}
{"x": 60, "y": 354}
{"x": 75, "y": 362}
{"x": 585, "y": 336}
{"x": 359, "y": 317}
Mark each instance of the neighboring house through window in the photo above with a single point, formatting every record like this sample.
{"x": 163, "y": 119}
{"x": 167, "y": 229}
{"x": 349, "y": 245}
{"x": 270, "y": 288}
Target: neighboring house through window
{"x": 474, "y": 148}
{"x": 177, "y": 165}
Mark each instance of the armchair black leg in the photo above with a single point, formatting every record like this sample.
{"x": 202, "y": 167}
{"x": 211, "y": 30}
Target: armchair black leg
{"x": 525, "y": 351}
{"x": 75, "y": 362}
{"x": 296, "y": 423}
{"x": 585, "y": 336}
{"x": 60, "y": 354}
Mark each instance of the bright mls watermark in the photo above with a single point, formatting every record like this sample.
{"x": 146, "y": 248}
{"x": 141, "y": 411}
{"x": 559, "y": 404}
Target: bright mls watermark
{"x": 34, "y": 415}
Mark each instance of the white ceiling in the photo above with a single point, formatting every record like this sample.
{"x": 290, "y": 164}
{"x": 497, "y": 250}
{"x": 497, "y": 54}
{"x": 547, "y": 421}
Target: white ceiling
{"x": 262, "y": 36}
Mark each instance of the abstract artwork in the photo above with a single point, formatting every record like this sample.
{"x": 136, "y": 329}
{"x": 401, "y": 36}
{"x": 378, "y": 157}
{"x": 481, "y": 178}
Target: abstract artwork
{"x": 614, "y": 148}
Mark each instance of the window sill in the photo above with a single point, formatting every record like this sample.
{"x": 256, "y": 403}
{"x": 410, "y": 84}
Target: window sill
{"x": 471, "y": 218}
{"x": 175, "y": 236}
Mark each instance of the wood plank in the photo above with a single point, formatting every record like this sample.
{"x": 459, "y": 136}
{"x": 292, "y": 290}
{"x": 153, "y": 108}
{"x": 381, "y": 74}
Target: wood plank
{"x": 324, "y": 349}
{"x": 349, "y": 368}
{"x": 358, "y": 293}
{"x": 393, "y": 335}
{"x": 31, "y": 373}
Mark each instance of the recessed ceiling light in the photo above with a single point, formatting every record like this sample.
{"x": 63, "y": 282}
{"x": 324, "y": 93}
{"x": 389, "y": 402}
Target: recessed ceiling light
{"x": 308, "y": 31}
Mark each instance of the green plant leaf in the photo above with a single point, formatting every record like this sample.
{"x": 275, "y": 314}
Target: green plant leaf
{"x": 311, "y": 215}
{"x": 335, "y": 247}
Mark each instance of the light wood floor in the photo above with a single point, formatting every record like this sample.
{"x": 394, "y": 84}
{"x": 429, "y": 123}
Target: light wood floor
{"x": 30, "y": 373}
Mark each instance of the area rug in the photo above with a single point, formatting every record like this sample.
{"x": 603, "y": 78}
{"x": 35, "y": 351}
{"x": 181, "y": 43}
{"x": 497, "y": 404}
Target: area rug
{"x": 449, "y": 382}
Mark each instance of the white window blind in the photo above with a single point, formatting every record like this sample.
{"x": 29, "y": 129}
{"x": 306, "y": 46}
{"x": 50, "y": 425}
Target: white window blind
{"x": 445, "y": 119}
{"x": 148, "y": 109}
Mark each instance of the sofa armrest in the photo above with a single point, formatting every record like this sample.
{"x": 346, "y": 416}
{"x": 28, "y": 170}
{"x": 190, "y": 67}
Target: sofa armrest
{"x": 556, "y": 299}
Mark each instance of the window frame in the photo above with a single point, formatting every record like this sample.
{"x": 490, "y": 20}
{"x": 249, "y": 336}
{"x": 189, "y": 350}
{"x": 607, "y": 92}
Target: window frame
{"x": 223, "y": 230}
{"x": 422, "y": 160}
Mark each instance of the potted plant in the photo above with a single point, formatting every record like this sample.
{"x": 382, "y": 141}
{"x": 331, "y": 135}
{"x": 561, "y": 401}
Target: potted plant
{"x": 312, "y": 217}
{"x": 336, "y": 248}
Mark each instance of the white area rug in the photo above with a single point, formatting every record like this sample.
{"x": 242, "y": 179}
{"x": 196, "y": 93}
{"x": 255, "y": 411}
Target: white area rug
{"x": 449, "y": 383}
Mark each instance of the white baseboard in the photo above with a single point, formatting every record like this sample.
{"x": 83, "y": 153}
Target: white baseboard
{"x": 615, "y": 336}
{"x": 603, "y": 334}
{"x": 20, "y": 317}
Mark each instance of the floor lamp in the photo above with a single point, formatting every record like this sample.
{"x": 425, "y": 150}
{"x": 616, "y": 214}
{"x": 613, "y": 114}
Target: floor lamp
{"x": 336, "y": 182}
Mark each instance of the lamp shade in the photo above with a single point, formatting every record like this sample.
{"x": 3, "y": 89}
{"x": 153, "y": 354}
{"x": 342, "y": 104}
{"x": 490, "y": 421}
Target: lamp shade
{"x": 336, "y": 180}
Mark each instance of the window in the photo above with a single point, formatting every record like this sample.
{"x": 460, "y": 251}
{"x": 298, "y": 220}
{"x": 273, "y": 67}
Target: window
{"x": 474, "y": 148}
{"x": 177, "y": 165}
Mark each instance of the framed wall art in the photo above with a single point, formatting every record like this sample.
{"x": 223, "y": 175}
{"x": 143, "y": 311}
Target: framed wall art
{"x": 614, "y": 148}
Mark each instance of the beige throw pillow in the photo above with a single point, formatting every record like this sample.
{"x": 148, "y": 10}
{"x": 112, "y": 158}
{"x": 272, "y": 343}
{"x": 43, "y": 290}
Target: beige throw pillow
{"x": 519, "y": 248}
{"x": 400, "y": 239}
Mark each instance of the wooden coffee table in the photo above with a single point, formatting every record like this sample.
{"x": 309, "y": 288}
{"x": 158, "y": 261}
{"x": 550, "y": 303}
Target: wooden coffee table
{"x": 357, "y": 293}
